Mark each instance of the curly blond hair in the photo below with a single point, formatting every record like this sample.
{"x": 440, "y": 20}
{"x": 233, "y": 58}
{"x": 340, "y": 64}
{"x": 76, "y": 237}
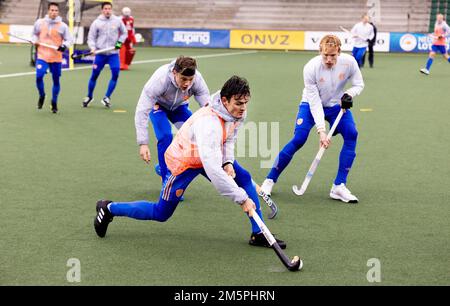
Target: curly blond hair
{"x": 330, "y": 41}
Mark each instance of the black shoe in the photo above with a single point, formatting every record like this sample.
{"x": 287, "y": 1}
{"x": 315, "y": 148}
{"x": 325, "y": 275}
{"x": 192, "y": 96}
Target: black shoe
{"x": 260, "y": 240}
{"x": 41, "y": 101}
{"x": 54, "y": 108}
{"x": 103, "y": 217}
{"x": 86, "y": 101}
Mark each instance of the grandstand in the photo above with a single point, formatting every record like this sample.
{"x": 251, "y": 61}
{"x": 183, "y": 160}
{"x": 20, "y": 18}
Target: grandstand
{"x": 326, "y": 15}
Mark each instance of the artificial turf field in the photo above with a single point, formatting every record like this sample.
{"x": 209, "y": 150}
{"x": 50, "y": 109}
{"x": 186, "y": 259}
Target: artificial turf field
{"x": 55, "y": 167}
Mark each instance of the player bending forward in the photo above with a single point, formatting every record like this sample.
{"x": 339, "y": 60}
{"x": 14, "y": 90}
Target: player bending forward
{"x": 203, "y": 145}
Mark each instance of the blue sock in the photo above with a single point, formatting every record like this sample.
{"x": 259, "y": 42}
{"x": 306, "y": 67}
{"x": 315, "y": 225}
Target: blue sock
{"x": 40, "y": 86}
{"x": 92, "y": 83}
{"x": 251, "y": 191}
{"x": 346, "y": 159}
{"x": 287, "y": 153}
{"x": 56, "y": 89}
{"x": 429, "y": 63}
{"x": 448, "y": 59}
{"x": 143, "y": 210}
{"x": 113, "y": 82}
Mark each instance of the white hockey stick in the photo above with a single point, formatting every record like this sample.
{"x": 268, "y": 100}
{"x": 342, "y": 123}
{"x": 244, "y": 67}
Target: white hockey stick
{"x": 316, "y": 160}
{"x": 31, "y": 42}
{"x": 350, "y": 33}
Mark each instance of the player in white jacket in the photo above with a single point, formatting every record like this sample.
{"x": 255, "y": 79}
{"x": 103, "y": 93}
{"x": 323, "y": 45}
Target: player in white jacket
{"x": 204, "y": 145}
{"x": 325, "y": 77}
{"x": 107, "y": 31}
{"x": 165, "y": 99}
{"x": 362, "y": 33}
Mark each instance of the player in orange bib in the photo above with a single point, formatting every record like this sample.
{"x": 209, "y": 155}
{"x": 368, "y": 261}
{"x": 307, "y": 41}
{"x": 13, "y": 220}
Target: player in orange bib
{"x": 441, "y": 31}
{"x": 50, "y": 30}
{"x": 203, "y": 145}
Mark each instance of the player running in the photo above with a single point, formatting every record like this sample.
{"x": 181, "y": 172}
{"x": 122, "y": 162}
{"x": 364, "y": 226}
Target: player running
{"x": 441, "y": 31}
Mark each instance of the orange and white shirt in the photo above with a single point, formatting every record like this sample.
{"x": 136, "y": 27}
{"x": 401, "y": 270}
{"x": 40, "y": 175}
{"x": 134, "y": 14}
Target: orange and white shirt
{"x": 52, "y": 32}
{"x": 441, "y": 31}
{"x": 205, "y": 141}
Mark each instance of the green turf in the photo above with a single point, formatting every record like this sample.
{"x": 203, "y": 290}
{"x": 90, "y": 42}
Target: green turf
{"x": 55, "y": 167}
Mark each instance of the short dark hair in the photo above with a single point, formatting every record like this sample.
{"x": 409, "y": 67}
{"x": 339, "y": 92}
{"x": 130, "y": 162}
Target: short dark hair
{"x": 235, "y": 87}
{"x": 185, "y": 65}
{"x": 106, "y": 3}
{"x": 52, "y": 4}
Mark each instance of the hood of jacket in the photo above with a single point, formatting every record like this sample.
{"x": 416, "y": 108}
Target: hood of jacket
{"x": 52, "y": 21}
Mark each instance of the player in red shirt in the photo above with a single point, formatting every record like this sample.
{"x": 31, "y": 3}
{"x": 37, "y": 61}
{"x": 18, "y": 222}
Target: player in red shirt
{"x": 127, "y": 51}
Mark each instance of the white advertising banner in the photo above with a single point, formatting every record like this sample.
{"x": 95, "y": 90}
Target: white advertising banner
{"x": 312, "y": 40}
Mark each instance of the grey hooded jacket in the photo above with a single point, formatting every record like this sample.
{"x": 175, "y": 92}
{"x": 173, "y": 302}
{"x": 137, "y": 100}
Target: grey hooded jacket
{"x": 162, "y": 88}
{"x": 105, "y": 32}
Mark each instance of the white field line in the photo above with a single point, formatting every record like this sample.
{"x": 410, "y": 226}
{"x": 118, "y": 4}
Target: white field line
{"x": 11, "y": 75}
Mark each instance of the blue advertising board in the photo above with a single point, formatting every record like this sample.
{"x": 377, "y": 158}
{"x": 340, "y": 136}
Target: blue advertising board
{"x": 192, "y": 38}
{"x": 411, "y": 42}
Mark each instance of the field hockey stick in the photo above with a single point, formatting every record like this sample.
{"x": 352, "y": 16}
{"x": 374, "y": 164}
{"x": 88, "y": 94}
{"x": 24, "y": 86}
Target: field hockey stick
{"x": 266, "y": 198}
{"x": 350, "y": 33}
{"x": 316, "y": 160}
{"x": 78, "y": 56}
{"x": 31, "y": 42}
{"x": 295, "y": 264}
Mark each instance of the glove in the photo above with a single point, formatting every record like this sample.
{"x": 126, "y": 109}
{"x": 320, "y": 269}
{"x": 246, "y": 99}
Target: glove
{"x": 368, "y": 40}
{"x": 118, "y": 45}
{"x": 346, "y": 101}
{"x": 62, "y": 48}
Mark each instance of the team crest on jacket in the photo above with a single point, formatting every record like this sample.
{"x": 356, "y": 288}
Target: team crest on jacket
{"x": 299, "y": 121}
{"x": 341, "y": 76}
{"x": 179, "y": 192}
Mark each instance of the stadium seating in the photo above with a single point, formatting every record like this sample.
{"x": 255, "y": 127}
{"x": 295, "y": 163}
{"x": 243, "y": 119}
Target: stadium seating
{"x": 327, "y": 15}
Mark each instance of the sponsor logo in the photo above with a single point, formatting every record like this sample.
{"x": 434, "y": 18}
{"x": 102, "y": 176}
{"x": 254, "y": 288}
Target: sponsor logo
{"x": 179, "y": 192}
{"x": 189, "y": 37}
{"x": 322, "y": 80}
{"x": 408, "y": 42}
{"x": 254, "y": 39}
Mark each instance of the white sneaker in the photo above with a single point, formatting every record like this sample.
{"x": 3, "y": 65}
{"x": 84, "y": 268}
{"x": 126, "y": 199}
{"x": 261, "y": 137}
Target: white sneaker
{"x": 106, "y": 102}
{"x": 267, "y": 186}
{"x": 425, "y": 71}
{"x": 341, "y": 192}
